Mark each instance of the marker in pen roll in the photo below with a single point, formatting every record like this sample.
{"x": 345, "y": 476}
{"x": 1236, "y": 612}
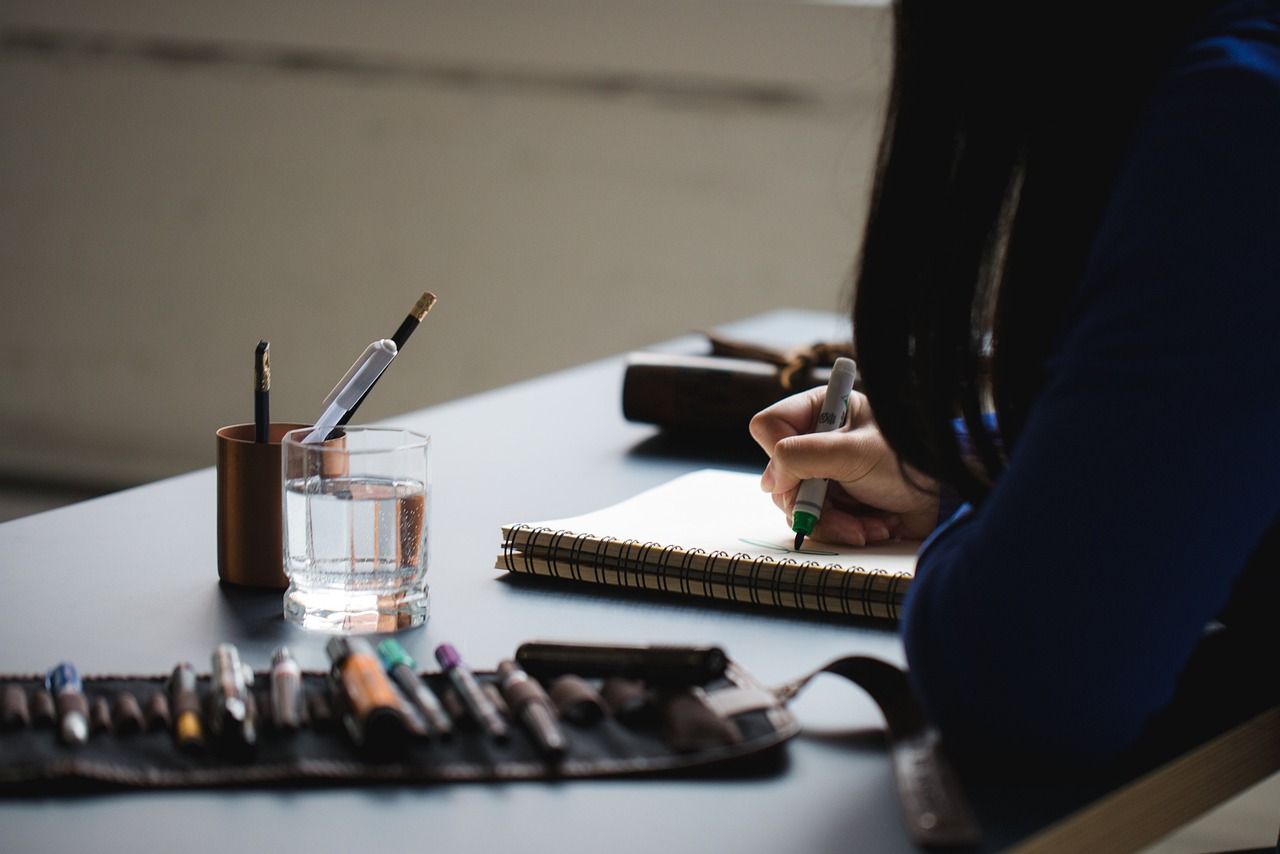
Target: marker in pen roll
{"x": 372, "y": 711}
{"x": 477, "y": 702}
{"x": 184, "y": 704}
{"x": 15, "y": 711}
{"x": 577, "y": 701}
{"x": 286, "y": 691}
{"x": 72, "y": 708}
{"x": 99, "y": 715}
{"x": 534, "y": 708}
{"x": 684, "y": 665}
{"x": 126, "y": 714}
{"x": 835, "y": 409}
{"x": 155, "y": 714}
{"x": 44, "y": 713}
{"x": 231, "y": 705}
{"x": 400, "y": 666}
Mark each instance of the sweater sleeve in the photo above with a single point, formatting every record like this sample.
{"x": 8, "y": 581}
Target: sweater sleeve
{"x": 1054, "y": 620}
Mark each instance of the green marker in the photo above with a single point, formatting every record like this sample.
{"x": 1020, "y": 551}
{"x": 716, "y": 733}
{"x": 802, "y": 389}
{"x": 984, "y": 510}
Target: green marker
{"x": 400, "y": 667}
{"x": 835, "y": 409}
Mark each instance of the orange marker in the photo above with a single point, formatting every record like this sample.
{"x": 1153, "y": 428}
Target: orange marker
{"x": 372, "y": 709}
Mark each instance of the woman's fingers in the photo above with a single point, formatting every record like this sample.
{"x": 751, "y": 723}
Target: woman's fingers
{"x": 869, "y": 497}
{"x": 791, "y": 416}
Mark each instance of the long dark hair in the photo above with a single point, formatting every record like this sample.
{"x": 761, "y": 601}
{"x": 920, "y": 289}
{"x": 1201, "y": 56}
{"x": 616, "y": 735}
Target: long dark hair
{"x": 1005, "y": 125}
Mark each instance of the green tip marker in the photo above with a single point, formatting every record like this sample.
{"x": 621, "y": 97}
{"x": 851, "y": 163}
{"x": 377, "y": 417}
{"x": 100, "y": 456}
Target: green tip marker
{"x": 392, "y": 653}
{"x": 835, "y": 410}
{"x": 400, "y": 667}
{"x": 802, "y": 523}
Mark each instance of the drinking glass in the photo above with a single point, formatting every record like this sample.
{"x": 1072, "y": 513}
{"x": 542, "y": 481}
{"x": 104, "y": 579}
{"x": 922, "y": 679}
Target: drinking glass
{"x": 356, "y": 514}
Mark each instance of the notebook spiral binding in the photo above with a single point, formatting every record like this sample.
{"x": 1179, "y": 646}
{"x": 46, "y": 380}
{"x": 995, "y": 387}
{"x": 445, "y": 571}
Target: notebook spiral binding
{"x": 763, "y": 581}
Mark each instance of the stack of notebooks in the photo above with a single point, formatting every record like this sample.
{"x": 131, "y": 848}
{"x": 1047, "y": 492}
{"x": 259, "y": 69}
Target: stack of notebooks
{"x": 714, "y": 534}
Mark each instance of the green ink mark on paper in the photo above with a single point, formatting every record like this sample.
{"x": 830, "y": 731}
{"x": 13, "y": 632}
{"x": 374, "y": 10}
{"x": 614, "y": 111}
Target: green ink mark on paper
{"x": 786, "y": 550}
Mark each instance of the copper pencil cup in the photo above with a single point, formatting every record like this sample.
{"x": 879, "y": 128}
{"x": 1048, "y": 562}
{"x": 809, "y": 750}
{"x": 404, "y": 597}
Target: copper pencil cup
{"x": 250, "y": 552}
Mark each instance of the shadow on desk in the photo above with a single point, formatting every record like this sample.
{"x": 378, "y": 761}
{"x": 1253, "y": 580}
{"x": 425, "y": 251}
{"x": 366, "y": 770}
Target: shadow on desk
{"x": 590, "y": 592}
{"x": 257, "y": 613}
{"x": 731, "y": 450}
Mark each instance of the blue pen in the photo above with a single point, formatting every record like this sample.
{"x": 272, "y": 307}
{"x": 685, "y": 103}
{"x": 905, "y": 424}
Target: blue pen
{"x": 64, "y": 684}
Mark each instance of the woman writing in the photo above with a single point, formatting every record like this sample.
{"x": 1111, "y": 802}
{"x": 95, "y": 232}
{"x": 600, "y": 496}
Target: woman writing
{"x": 1067, "y": 317}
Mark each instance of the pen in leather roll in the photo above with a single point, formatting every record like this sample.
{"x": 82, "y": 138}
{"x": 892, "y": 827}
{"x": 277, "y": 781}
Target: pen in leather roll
{"x": 372, "y": 710}
{"x": 63, "y": 683}
{"x": 285, "y": 686}
{"x": 230, "y": 700}
{"x": 478, "y": 704}
{"x": 184, "y": 705}
{"x": 400, "y": 666}
{"x": 532, "y": 705}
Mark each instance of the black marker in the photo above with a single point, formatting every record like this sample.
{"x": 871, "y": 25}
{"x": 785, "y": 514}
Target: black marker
{"x": 680, "y": 665}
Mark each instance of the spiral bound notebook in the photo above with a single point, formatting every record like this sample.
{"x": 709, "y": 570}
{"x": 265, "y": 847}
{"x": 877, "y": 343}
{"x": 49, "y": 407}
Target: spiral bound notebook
{"x": 713, "y": 533}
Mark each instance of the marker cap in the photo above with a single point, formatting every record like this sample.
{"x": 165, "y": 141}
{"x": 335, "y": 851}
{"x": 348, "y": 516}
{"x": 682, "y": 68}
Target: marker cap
{"x": 373, "y": 360}
{"x": 392, "y": 653}
{"x": 448, "y": 656}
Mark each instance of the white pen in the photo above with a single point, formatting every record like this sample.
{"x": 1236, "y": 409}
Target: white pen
{"x": 835, "y": 409}
{"x": 354, "y": 383}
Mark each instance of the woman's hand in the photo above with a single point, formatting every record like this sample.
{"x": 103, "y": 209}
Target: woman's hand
{"x": 869, "y": 499}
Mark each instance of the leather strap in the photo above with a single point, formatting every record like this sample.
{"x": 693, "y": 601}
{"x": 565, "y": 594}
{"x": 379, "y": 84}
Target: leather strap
{"x": 792, "y": 364}
{"x": 933, "y": 802}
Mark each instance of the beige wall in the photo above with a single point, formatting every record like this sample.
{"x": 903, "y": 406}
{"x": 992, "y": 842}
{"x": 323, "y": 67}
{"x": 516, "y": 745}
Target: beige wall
{"x": 573, "y": 178}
